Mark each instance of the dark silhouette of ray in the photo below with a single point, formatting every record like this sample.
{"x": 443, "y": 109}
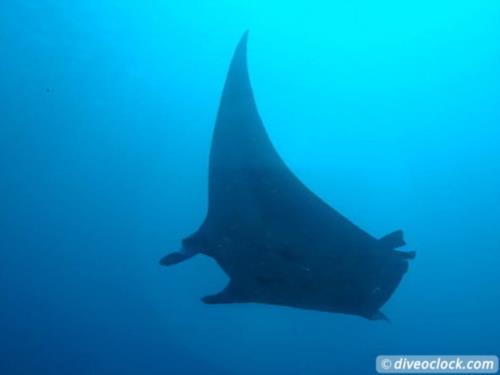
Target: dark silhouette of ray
{"x": 277, "y": 241}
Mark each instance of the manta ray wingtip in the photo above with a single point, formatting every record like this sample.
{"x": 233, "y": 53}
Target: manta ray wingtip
{"x": 242, "y": 44}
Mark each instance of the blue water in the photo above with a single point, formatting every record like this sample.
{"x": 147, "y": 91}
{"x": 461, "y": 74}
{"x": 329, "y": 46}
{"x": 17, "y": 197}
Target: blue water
{"x": 388, "y": 110}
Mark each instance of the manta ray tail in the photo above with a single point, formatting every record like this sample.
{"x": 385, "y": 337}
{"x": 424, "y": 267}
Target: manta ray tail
{"x": 190, "y": 247}
{"x": 176, "y": 257}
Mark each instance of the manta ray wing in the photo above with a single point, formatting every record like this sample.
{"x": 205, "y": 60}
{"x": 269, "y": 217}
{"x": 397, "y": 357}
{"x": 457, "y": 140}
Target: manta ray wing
{"x": 249, "y": 184}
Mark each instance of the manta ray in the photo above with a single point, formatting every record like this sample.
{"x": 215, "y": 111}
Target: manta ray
{"x": 278, "y": 242}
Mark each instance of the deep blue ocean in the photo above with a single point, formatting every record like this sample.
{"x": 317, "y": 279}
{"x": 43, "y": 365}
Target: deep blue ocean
{"x": 388, "y": 110}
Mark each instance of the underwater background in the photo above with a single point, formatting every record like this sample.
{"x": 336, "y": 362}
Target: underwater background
{"x": 388, "y": 110}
